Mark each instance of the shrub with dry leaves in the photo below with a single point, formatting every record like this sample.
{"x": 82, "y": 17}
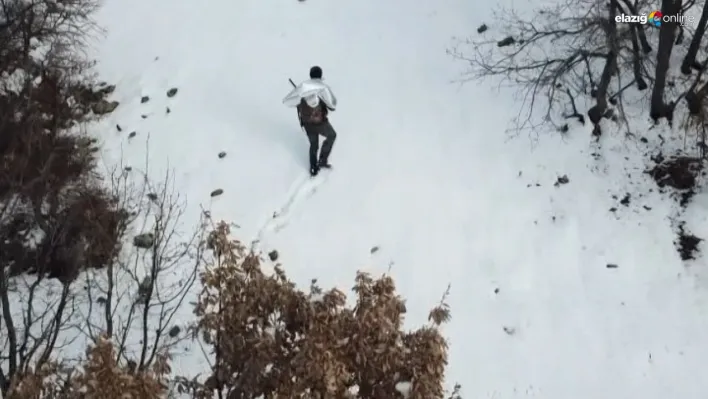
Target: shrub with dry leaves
{"x": 272, "y": 340}
{"x": 100, "y": 377}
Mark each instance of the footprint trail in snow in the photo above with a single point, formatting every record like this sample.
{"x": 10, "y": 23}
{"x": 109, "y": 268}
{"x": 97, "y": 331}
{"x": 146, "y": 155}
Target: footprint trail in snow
{"x": 304, "y": 189}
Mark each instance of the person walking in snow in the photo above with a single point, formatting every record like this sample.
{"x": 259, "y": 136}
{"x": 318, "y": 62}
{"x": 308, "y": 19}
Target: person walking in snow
{"x": 316, "y": 101}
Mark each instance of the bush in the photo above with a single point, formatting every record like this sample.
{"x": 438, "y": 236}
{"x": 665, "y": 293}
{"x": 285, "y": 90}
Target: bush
{"x": 99, "y": 377}
{"x": 273, "y": 340}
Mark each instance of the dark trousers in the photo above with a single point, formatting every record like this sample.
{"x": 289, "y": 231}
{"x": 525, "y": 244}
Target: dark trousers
{"x": 313, "y": 134}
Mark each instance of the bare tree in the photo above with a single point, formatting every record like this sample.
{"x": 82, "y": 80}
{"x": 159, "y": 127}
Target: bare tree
{"x": 574, "y": 50}
{"x": 51, "y": 202}
{"x": 137, "y": 300}
{"x": 689, "y": 61}
{"x": 667, "y": 35}
{"x": 552, "y": 57}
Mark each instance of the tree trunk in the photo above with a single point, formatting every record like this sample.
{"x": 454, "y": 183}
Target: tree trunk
{"x": 598, "y": 110}
{"x": 689, "y": 62}
{"x": 637, "y": 58}
{"x": 646, "y": 47}
{"x": 659, "y": 108}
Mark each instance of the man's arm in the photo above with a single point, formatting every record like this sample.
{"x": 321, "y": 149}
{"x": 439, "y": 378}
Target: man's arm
{"x": 299, "y": 116}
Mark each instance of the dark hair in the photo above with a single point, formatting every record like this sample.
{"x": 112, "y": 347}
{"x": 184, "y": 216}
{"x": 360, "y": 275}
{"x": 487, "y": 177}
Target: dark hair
{"x": 315, "y": 72}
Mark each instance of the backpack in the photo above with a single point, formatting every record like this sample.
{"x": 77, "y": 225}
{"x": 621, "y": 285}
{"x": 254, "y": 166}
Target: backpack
{"x": 312, "y": 115}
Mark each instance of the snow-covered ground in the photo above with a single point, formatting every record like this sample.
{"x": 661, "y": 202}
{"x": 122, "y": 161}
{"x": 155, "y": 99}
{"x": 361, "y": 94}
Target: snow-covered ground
{"x": 553, "y": 295}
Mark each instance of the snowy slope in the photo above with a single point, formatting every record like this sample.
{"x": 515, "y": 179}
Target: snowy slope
{"x": 424, "y": 172}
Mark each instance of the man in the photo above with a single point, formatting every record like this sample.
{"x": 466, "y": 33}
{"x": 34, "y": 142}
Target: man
{"x": 312, "y": 112}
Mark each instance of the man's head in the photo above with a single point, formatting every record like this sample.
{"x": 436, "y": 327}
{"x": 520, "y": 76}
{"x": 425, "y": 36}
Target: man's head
{"x": 315, "y": 72}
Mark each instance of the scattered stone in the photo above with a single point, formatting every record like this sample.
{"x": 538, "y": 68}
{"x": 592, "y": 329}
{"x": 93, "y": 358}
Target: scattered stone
{"x": 167, "y": 110}
{"x": 172, "y": 92}
{"x": 374, "y": 249}
{"x": 625, "y": 200}
{"x": 128, "y": 168}
{"x": 483, "y": 28}
{"x": 507, "y": 41}
{"x": 101, "y": 300}
{"x": 496, "y": 290}
{"x": 132, "y": 134}
{"x": 509, "y": 330}
{"x": 103, "y": 107}
{"x": 119, "y": 128}
{"x": 174, "y": 331}
{"x": 613, "y": 209}
{"x": 611, "y": 266}
{"x": 144, "y": 116}
{"x": 222, "y": 154}
{"x": 648, "y": 208}
{"x": 144, "y": 241}
{"x": 273, "y": 255}
{"x": 217, "y": 192}
{"x": 144, "y": 99}
{"x": 152, "y": 196}
{"x": 562, "y": 180}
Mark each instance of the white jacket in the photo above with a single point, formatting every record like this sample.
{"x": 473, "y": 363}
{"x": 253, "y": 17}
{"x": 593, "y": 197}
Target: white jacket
{"x": 313, "y": 91}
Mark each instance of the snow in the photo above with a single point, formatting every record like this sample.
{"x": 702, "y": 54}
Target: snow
{"x": 424, "y": 171}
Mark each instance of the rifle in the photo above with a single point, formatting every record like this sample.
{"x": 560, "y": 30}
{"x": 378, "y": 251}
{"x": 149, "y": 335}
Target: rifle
{"x": 298, "y": 112}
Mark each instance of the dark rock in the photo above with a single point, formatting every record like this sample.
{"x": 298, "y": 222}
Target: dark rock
{"x": 103, "y": 107}
{"x": 222, "y": 154}
{"x": 144, "y": 241}
{"x": 217, "y": 192}
{"x": 273, "y": 255}
{"x": 507, "y": 41}
{"x": 144, "y": 99}
{"x": 174, "y": 331}
{"x": 625, "y": 200}
{"x": 172, "y": 92}
{"x": 562, "y": 180}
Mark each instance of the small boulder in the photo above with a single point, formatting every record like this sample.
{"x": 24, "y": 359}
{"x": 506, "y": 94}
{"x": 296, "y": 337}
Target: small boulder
{"x": 172, "y": 92}
{"x": 144, "y": 99}
{"x": 562, "y": 180}
{"x": 273, "y": 255}
{"x": 104, "y": 107}
{"x": 144, "y": 241}
{"x": 217, "y": 192}
{"x": 174, "y": 331}
{"x": 222, "y": 154}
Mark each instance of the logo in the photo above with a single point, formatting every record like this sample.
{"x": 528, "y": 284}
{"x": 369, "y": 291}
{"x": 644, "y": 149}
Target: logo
{"x": 655, "y": 18}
